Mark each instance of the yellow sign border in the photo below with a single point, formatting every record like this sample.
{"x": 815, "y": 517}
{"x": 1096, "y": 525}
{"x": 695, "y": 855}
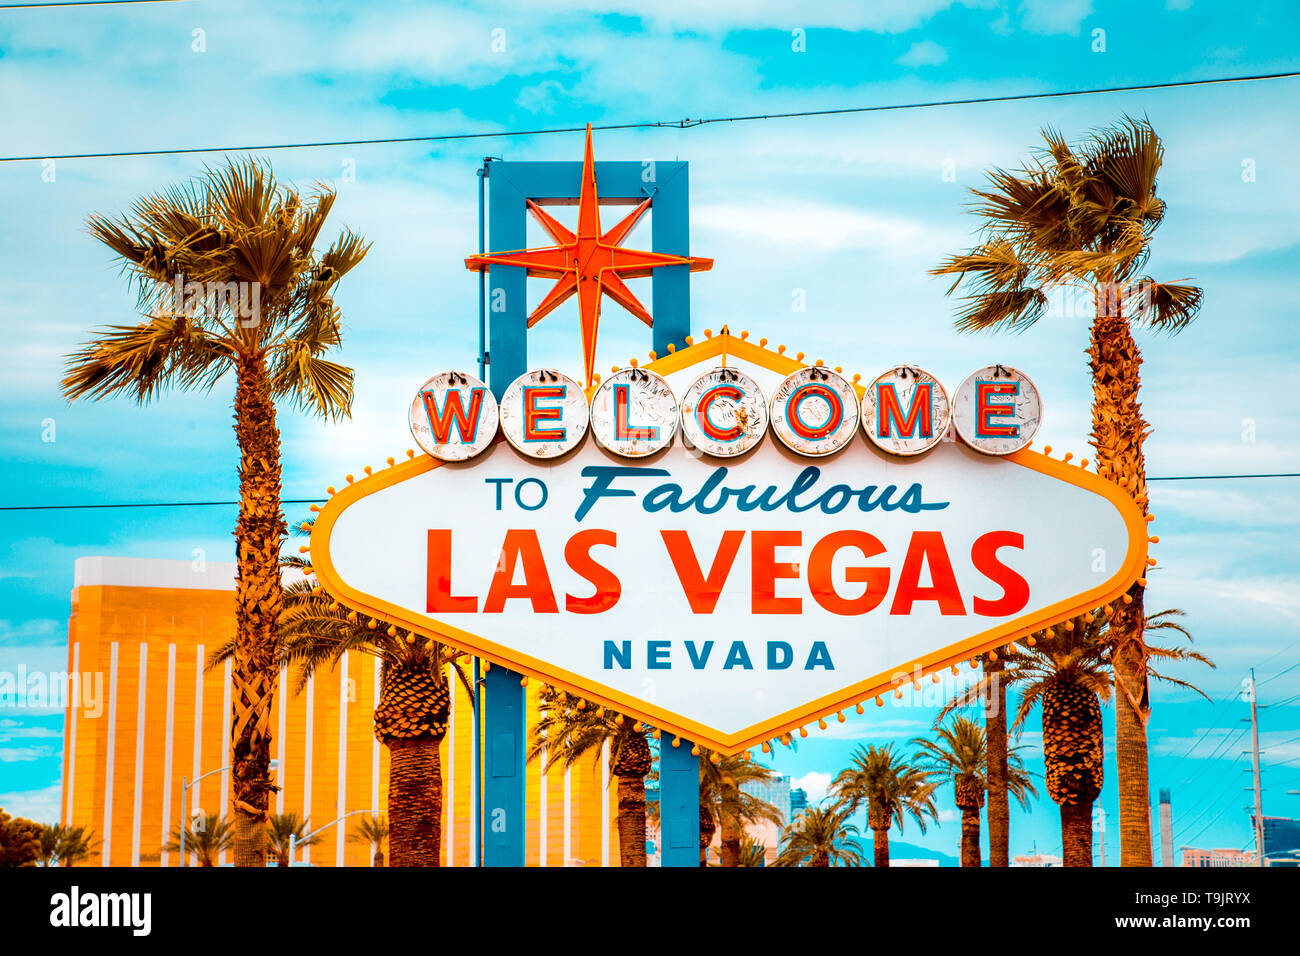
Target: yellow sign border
{"x": 722, "y": 346}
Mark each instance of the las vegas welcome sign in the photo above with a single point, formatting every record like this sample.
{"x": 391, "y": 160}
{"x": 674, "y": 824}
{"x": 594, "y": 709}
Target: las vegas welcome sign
{"x": 728, "y": 543}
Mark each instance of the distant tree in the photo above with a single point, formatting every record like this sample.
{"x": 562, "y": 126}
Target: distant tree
{"x": 372, "y": 831}
{"x": 280, "y": 828}
{"x": 820, "y": 836}
{"x": 20, "y": 841}
{"x": 205, "y": 837}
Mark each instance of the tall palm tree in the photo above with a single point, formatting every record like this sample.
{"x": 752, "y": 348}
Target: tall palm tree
{"x": 820, "y": 836}
{"x": 1083, "y": 218}
{"x": 206, "y": 836}
{"x": 229, "y": 281}
{"x": 890, "y": 787}
{"x": 731, "y": 808}
{"x": 960, "y": 757}
{"x": 571, "y": 728}
{"x": 995, "y": 735}
{"x": 373, "y": 832}
{"x": 52, "y": 835}
{"x": 281, "y": 828}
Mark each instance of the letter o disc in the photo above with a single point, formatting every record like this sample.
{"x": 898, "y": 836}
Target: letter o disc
{"x": 453, "y": 416}
{"x": 634, "y": 413}
{"x": 997, "y": 410}
{"x": 724, "y": 413}
{"x": 544, "y": 414}
{"x": 910, "y": 406}
{"x": 814, "y": 412}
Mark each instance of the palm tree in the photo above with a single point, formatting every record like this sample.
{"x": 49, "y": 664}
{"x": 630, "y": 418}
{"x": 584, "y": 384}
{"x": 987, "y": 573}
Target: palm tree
{"x": 890, "y": 787}
{"x": 730, "y": 808}
{"x": 1083, "y": 218}
{"x": 1066, "y": 670}
{"x": 373, "y": 832}
{"x": 571, "y": 728}
{"x": 960, "y": 757}
{"x": 820, "y": 836}
{"x": 282, "y": 827}
{"x": 206, "y": 837}
{"x": 414, "y": 705}
{"x": 752, "y": 853}
{"x": 995, "y": 734}
{"x": 263, "y": 309}
{"x": 64, "y": 845}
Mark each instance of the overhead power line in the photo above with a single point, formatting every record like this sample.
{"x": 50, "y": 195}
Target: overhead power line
{"x": 80, "y": 3}
{"x": 687, "y": 123}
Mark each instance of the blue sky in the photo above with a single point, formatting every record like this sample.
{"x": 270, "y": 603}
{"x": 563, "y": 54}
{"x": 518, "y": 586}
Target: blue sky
{"x": 852, "y": 210}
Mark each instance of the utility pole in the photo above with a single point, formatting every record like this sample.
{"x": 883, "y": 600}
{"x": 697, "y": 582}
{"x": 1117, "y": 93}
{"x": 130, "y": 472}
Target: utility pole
{"x": 1254, "y": 755}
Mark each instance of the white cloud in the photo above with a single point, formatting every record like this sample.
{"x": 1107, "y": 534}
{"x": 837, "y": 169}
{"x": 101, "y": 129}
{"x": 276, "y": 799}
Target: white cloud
{"x": 923, "y": 53}
{"x": 44, "y": 805}
{"x": 1054, "y": 16}
{"x": 816, "y": 784}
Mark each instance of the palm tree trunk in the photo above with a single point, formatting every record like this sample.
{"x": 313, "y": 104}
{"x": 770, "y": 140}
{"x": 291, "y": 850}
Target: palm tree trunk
{"x": 282, "y": 857}
{"x": 415, "y": 801}
{"x": 820, "y": 858}
{"x": 1076, "y": 833}
{"x": 729, "y": 845}
{"x": 707, "y": 828}
{"x": 1118, "y": 431}
{"x": 995, "y": 733}
{"x": 970, "y": 836}
{"x": 631, "y": 821}
{"x": 379, "y": 857}
{"x": 880, "y": 845}
{"x": 259, "y": 533}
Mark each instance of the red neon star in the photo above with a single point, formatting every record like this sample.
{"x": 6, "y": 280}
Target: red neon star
{"x": 589, "y": 263}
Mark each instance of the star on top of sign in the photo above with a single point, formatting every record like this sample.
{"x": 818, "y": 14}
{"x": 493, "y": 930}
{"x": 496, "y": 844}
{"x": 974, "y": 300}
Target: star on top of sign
{"x": 588, "y": 263}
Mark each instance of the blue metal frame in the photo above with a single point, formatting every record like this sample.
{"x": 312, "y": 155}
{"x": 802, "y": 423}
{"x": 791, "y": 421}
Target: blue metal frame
{"x": 503, "y": 312}
{"x": 679, "y": 804}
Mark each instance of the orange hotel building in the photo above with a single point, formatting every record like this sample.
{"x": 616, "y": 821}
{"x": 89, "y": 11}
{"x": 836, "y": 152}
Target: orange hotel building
{"x": 149, "y": 626}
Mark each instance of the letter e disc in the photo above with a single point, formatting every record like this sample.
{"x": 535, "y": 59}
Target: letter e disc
{"x": 634, "y": 413}
{"x": 544, "y": 414}
{"x": 905, "y": 411}
{"x": 724, "y": 413}
{"x": 453, "y": 416}
{"x": 814, "y": 412}
{"x": 997, "y": 410}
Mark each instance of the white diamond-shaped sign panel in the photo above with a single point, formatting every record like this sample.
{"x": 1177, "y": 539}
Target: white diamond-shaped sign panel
{"x": 729, "y": 600}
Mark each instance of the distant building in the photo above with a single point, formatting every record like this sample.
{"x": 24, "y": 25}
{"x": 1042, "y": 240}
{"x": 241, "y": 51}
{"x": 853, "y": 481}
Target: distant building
{"x": 775, "y": 791}
{"x": 1036, "y": 859}
{"x": 1166, "y": 829}
{"x": 1281, "y": 838}
{"x": 798, "y": 801}
{"x": 897, "y": 862}
{"x": 1217, "y": 858}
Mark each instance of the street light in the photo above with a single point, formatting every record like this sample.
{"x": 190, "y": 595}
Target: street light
{"x": 186, "y": 783}
{"x": 293, "y": 838}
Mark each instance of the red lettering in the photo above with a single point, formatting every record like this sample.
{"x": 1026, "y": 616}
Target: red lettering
{"x": 702, "y": 592}
{"x": 521, "y": 547}
{"x": 820, "y": 573}
{"x": 440, "y": 421}
{"x": 439, "y": 599}
{"x": 1015, "y": 589}
{"x": 764, "y": 570}
{"x": 578, "y": 554}
{"x": 927, "y": 548}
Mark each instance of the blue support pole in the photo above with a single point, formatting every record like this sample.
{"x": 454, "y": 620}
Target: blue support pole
{"x": 503, "y": 779}
{"x": 679, "y": 804}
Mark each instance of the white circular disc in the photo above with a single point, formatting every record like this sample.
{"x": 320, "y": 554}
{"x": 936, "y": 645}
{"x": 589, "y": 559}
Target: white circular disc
{"x": 814, "y": 411}
{"x": 724, "y": 413}
{"x": 634, "y": 413}
{"x": 997, "y": 410}
{"x": 905, "y": 411}
{"x": 453, "y": 416}
{"x": 544, "y": 414}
